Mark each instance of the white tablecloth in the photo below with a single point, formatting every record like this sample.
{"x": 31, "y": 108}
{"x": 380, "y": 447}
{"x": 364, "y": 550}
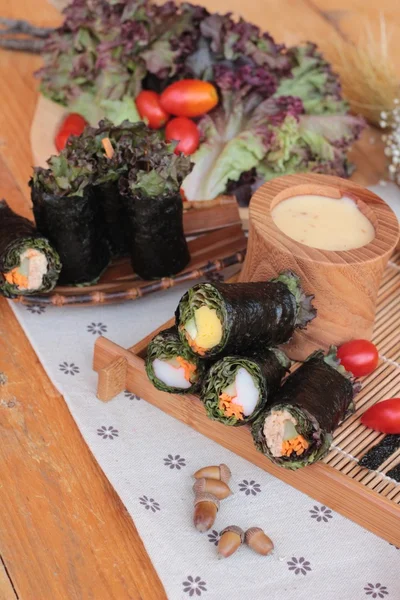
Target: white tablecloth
{"x": 149, "y": 458}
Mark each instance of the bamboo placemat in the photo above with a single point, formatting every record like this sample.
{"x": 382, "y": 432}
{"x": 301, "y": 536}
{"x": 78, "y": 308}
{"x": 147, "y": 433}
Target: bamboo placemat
{"x": 352, "y": 440}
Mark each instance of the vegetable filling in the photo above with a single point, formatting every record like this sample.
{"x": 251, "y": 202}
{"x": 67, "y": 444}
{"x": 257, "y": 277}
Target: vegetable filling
{"x": 204, "y": 330}
{"x": 282, "y": 437}
{"x": 175, "y": 372}
{"x": 240, "y": 398}
{"x": 30, "y": 271}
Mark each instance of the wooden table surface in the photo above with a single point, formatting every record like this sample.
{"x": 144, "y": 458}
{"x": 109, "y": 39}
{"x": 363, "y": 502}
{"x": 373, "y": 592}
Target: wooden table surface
{"x": 64, "y": 532}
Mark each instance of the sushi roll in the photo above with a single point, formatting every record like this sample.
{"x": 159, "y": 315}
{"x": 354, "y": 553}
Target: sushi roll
{"x": 68, "y": 214}
{"x": 296, "y": 430}
{"x": 236, "y": 388}
{"x": 153, "y": 204}
{"x": 221, "y": 319}
{"x": 28, "y": 263}
{"x": 114, "y": 151}
{"x": 170, "y": 366}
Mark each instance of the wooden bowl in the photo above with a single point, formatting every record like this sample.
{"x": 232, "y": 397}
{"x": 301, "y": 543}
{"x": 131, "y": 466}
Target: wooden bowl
{"x": 345, "y": 283}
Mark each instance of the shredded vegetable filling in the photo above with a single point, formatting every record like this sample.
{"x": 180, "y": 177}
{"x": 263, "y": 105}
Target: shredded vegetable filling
{"x": 29, "y": 273}
{"x": 229, "y": 408}
{"x": 282, "y": 436}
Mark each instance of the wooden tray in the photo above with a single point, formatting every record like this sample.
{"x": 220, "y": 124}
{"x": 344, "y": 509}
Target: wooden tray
{"x": 371, "y": 499}
{"x": 210, "y": 253}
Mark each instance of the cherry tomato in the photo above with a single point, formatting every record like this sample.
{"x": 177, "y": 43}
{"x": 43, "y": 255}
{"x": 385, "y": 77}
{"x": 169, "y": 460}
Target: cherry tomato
{"x": 73, "y": 124}
{"x": 360, "y": 357}
{"x": 189, "y": 98}
{"x": 150, "y": 109}
{"x": 383, "y": 416}
{"x": 185, "y": 132}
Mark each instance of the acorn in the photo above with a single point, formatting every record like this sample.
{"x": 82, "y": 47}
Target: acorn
{"x": 258, "y": 541}
{"x": 212, "y": 486}
{"x": 221, "y": 472}
{"x": 231, "y": 538}
{"x": 205, "y": 510}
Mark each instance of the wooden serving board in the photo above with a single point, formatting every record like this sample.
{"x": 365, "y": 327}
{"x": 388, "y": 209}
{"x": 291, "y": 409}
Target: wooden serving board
{"x": 369, "y": 498}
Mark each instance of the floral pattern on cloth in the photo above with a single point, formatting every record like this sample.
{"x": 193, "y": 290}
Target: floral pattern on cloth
{"x": 130, "y": 395}
{"x": 68, "y": 368}
{"x": 194, "y": 586}
{"x": 107, "y": 432}
{"x": 249, "y": 487}
{"x": 36, "y": 309}
{"x": 376, "y": 590}
{"x": 321, "y": 513}
{"x": 97, "y": 328}
{"x": 299, "y": 565}
{"x": 318, "y": 555}
{"x": 174, "y": 462}
{"x": 149, "y": 504}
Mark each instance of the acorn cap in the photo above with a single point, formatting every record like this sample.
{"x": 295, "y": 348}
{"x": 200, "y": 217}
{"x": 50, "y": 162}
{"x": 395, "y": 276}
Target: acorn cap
{"x": 225, "y": 472}
{"x": 250, "y": 532}
{"x": 205, "y": 497}
{"x": 234, "y": 529}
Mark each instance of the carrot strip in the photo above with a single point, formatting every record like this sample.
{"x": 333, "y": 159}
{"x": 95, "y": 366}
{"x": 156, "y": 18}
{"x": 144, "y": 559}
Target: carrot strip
{"x": 297, "y": 444}
{"x": 229, "y": 408}
{"x": 109, "y": 150}
{"x": 188, "y": 367}
{"x": 14, "y": 277}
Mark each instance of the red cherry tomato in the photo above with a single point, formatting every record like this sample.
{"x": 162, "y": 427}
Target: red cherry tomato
{"x": 384, "y": 416}
{"x": 73, "y": 124}
{"x": 185, "y": 132}
{"x": 189, "y": 98}
{"x": 150, "y": 109}
{"x": 360, "y": 357}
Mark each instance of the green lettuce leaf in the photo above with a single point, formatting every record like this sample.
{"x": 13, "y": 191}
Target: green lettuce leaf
{"x": 94, "y": 109}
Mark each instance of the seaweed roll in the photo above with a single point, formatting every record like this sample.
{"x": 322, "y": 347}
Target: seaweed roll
{"x": 170, "y": 366}
{"x": 236, "y": 388}
{"x": 220, "y": 319}
{"x": 67, "y": 212}
{"x": 154, "y": 210}
{"x": 28, "y": 263}
{"x": 296, "y": 430}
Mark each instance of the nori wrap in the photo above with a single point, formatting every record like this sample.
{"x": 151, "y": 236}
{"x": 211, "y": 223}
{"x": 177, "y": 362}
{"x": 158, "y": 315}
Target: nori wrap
{"x": 377, "y": 455}
{"x": 394, "y": 473}
{"x": 158, "y": 247}
{"x": 166, "y": 346}
{"x": 248, "y": 316}
{"x": 28, "y": 263}
{"x": 113, "y": 215}
{"x": 157, "y": 243}
{"x": 126, "y": 141}
{"x": 296, "y": 429}
{"x": 236, "y": 377}
{"x": 73, "y": 224}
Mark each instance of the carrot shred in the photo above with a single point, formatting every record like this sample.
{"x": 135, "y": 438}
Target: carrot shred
{"x": 229, "y": 408}
{"x": 194, "y": 346}
{"x": 297, "y": 444}
{"x": 109, "y": 150}
{"x": 189, "y": 368}
{"x": 14, "y": 277}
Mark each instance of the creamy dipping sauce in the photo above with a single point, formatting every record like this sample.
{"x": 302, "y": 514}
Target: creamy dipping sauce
{"x": 323, "y": 223}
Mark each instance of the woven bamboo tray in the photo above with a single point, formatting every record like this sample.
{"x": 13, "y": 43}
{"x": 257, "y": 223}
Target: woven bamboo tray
{"x": 369, "y": 498}
{"x": 209, "y": 253}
